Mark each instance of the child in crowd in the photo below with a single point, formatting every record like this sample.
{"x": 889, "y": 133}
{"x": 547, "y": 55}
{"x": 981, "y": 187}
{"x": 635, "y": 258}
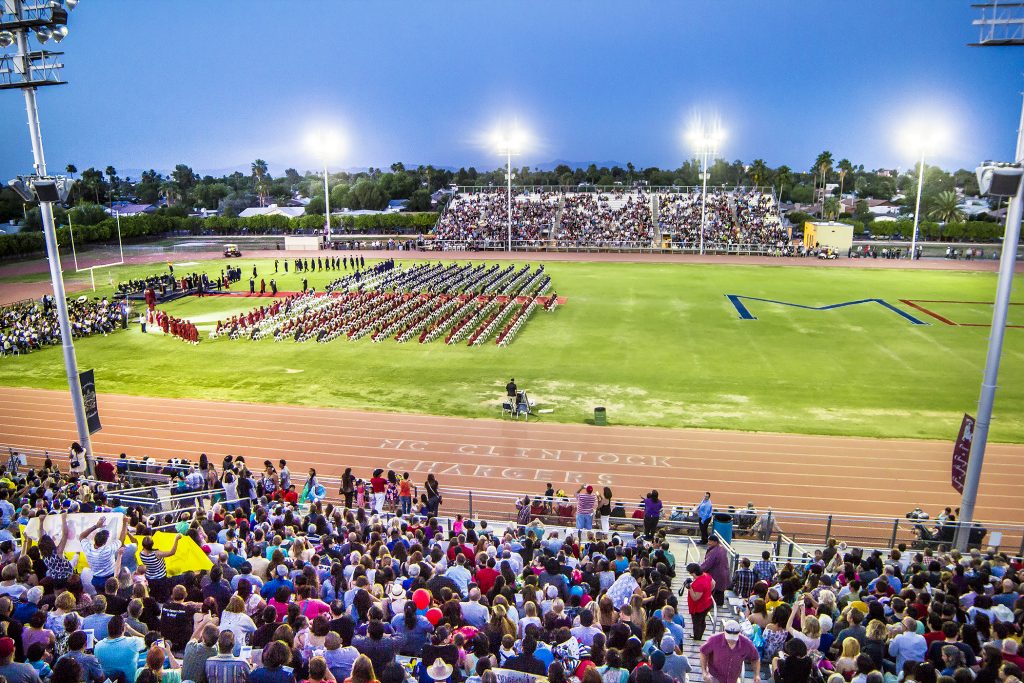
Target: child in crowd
{"x": 360, "y": 494}
{"x": 36, "y": 657}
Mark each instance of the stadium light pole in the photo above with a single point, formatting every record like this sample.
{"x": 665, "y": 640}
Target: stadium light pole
{"x": 921, "y": 138}
{"x": 705, "y": 141}
{"x": 917, "y": 207}
{"x": 1003, "y": 29}
{"x": 508, "y": 142}
{"x": 28, "y": 70}
{"x": 325, "y": 144}
{"x": 508, "y": 194}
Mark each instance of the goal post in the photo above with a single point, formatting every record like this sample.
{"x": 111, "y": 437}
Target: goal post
{"x": 92, "y": 268}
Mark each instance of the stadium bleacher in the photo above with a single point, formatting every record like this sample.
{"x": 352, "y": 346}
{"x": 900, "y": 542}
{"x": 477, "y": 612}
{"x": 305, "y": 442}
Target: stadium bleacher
{"x": 614, "y": 217}
{"x": 272, "y": 569}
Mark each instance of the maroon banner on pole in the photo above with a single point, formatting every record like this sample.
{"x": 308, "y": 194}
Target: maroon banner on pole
{"x": 962, "y": 452}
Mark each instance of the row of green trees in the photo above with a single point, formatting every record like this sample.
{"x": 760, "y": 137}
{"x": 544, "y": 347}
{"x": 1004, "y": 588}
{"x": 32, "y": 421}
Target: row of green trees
{"x": 375, "y": 187}
{"x": 146, "y": 226}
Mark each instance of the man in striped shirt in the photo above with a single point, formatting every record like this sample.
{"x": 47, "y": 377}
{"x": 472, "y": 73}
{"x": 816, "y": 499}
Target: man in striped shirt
{"x": 586, "y": 503}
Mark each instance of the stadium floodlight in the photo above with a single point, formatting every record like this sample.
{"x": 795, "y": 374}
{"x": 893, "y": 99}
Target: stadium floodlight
{"x": 327, "y": 144}
{"x": 509, "y": 141}
{"x": 999, "y": 180}
{"x": 22, "y": 189}
{"x": 920, "y": 138}
{"x": 705, "y": 141}
{"x": 46, "y": 190}
{"x": 20, "y": 21}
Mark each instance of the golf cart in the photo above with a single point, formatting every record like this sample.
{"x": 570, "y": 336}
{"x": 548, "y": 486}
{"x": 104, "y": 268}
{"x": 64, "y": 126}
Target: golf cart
{"x": 231, "y": 251}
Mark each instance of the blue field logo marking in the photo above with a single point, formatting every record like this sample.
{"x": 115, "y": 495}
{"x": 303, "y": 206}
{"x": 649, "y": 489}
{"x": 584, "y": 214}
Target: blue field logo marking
{"x": 745, "y": 313}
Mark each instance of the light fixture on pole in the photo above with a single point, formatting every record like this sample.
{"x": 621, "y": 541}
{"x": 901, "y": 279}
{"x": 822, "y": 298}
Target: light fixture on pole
{"x": 921, "y": 138}
{"x": 705, "y": 141}
{"x": 508, "y": 142}
{"x": 326, "y": 144}
{"x": 1004, "y": 27}
{"x": 27, "y": 70}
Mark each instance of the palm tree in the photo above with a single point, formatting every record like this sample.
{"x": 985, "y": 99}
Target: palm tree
{"x": 844, "y": 167}
{"x": 830, "y": 208}
{"x": 171, "y": 191}
{"x": 945, "y": 209}
{"x": 71, "y": 170}
{"x": 259, "y": 173}
{"x": 111, "y": 173}
{"x": 783, "y": 177}
{"x": 758, "y": 171}
{"x": 822, "y": 165}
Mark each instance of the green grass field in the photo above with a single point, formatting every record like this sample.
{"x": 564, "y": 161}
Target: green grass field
{"x": 657, "y": 344}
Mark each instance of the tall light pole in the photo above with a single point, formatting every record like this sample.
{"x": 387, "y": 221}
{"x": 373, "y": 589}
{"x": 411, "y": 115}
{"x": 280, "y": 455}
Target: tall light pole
{"x": 917, "y": 207}
{"x": 26, "y": 71}
{"x": 1005, "y": 28}
{"x": 327, "y": 208}
{"x": 509, "y": 141}
{"x": 705, "y": 141}
{"x": 326, "y": 144}
{"x": 508, "y": 194}
{"x": 703, "y": 198}
{"x": 921, "y": 137}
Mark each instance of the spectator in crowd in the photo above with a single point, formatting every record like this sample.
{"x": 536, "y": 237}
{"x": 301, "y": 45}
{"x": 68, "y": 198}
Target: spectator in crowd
{"x": 704, "y": 512}
{"x": 224, "y": 666}
{"x": 723, "y": 655}
{"x": 118, "y": 653}
{"x": 353, "y": 592}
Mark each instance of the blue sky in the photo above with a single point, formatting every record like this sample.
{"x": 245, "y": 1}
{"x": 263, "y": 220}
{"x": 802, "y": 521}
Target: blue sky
{"x": 218, "y": 84}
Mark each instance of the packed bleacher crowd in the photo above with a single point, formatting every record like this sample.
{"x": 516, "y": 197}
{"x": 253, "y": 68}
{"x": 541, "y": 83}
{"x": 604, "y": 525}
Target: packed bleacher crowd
{"x": 483, "y": 216}
{"x": 617, "y": 218}
{"x": 259, "y": 579}
{"x": 32, "y": 325}
{"x": 738, "y": 217}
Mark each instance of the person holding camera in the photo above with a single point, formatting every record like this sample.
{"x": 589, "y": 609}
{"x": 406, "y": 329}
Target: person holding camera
{"x": 699, "y": 599}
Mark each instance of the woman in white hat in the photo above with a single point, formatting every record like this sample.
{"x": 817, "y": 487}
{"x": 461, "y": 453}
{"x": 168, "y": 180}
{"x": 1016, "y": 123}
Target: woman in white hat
{"x": 395, "y": 598}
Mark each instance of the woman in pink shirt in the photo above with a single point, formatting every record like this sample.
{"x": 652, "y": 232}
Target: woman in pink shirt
{"x": 309, "y": 606}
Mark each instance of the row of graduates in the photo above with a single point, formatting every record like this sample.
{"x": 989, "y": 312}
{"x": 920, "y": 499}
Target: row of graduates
{"x": 253, "y": 317}
{"x": 177, "y": 327}
{"x": 321, "y": 263}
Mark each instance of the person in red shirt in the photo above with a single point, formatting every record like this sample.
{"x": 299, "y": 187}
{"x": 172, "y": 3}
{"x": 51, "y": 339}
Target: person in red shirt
{"x": 105, "y": 470}
{"x": 405, "y": 494}
{"x": 291, "y": 495}
{"x": 638, "y": 513}
{"x": 378, "y": 484}
{"x": 699, "y": 598}
{"x": 485, "y": 576}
